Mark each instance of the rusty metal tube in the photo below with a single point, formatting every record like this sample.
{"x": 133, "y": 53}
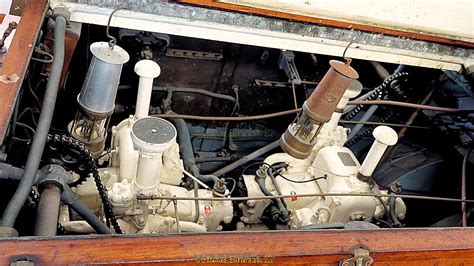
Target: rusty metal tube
{"x": 323, "y": 101}
{"x": 48, "y": 210}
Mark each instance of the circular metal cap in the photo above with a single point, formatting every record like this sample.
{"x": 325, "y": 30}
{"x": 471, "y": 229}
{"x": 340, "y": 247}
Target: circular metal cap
{"x": 147, "y": 68}
{"x": 344, "y": 69}
{"x": 116, "y": 56}
{"x": 153, "y": 134}
{"x": 385, "y": 135}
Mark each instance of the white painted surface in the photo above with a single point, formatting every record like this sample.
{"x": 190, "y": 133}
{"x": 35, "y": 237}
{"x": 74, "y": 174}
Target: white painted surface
{"x": 5, "y": 6}
{"x": 264, "y": 38}
{"x": 452, "y": 19}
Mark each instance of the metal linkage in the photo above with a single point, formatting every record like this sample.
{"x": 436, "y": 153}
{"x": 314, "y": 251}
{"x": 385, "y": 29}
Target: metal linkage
{"x": 156, "y": 197}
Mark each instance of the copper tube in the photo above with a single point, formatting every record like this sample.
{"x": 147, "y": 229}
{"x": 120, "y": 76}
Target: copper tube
{"x": 294, "y": 111}
{"x": 323, "y": 101}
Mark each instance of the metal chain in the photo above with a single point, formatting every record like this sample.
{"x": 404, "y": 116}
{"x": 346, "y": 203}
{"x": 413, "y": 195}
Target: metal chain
{"x": 378, "y": 93}
{"x": 367, "y": 132}
{"x": 92, "y": 168}
{"x": 76, "y": 145}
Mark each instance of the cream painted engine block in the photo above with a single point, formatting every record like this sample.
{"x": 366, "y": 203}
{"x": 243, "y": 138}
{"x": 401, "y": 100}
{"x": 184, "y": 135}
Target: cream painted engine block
{"x": 145, "y": 160}
{"x": 339, "y": 168}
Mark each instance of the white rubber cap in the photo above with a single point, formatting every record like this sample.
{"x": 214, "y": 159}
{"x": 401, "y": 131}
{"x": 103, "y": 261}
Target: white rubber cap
{"x": 385, "y": 135}
{"x": 147, "y": 69}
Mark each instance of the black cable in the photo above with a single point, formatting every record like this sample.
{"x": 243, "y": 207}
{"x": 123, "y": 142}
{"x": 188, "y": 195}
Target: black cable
{"x": 234, "y": 184}
{"x": 282, "y": 176}
{"x": 27, "y": 127}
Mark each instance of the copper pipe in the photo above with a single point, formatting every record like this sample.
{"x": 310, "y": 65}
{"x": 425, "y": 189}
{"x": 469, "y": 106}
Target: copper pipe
{"x": 229, "y": 118}
{"x": 463, "y": 187}
{"x": 293, "y": 111}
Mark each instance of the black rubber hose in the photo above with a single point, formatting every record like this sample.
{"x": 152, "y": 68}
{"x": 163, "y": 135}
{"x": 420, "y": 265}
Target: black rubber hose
{"x": 70, "y": 199}
{"x": 9, "y": 172}
{"x": 44, "y": 123}
{"x": 47, "y": 214}
{"x": 281, "y": 206}
{"x": 186, "y": 151}
{"x": 184, "y": 140}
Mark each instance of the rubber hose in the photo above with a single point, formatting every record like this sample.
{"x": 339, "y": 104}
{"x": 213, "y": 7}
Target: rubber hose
{"x": 44, "y": 123}
{"x": 70, "y": 199}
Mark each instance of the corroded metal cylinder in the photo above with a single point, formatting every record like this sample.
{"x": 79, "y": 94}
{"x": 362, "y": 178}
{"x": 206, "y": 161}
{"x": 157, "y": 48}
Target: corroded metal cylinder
{"x": 323, "y": 101}
{"x": 300, "y": 137}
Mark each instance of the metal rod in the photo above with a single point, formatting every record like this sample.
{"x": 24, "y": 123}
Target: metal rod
{"x": 247, "y": 158}
{"x": 153, "y": 197}
{"x": 175, "y": 203}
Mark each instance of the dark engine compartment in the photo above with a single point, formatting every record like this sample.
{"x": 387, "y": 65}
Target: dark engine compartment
{"x": 207, "y": 78}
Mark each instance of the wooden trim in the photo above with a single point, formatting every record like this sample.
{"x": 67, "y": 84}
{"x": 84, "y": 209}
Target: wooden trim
{"x": 388, "y": 247}
{"x": 17, "y": 59}
{"x": 321, "y": 21}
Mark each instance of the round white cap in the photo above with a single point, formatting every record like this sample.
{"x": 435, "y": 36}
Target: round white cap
{"x": 147, "y": 68}
{"x": 153, "y": 134}
{"x": 385, "y": 135}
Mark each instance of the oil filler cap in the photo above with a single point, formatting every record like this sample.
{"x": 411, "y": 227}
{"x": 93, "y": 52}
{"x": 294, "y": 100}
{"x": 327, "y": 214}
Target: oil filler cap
{"x": 153, "y": 134}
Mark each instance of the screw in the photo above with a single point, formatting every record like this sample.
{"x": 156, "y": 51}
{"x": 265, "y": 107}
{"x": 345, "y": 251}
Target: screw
{"x": 154, "y": 130}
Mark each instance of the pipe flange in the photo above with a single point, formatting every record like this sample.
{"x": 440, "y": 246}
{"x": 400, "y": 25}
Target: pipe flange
{"x": 53, "y": 173}
{"x": 63, "y": 12}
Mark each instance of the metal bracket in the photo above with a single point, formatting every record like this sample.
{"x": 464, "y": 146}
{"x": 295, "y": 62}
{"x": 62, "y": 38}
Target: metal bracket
{"x": 16, "y": 9}
{"x": 286, "y": 61}
{"x": 194, "y": 54}
{"x": 361, "y": 258}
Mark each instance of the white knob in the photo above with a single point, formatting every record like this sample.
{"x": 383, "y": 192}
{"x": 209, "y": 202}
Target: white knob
{"x": 384, "y": 137}
{"x": 147, "y": 69}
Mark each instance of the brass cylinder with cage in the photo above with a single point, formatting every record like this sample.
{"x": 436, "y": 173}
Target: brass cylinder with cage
{"x": 300, "y": 137}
